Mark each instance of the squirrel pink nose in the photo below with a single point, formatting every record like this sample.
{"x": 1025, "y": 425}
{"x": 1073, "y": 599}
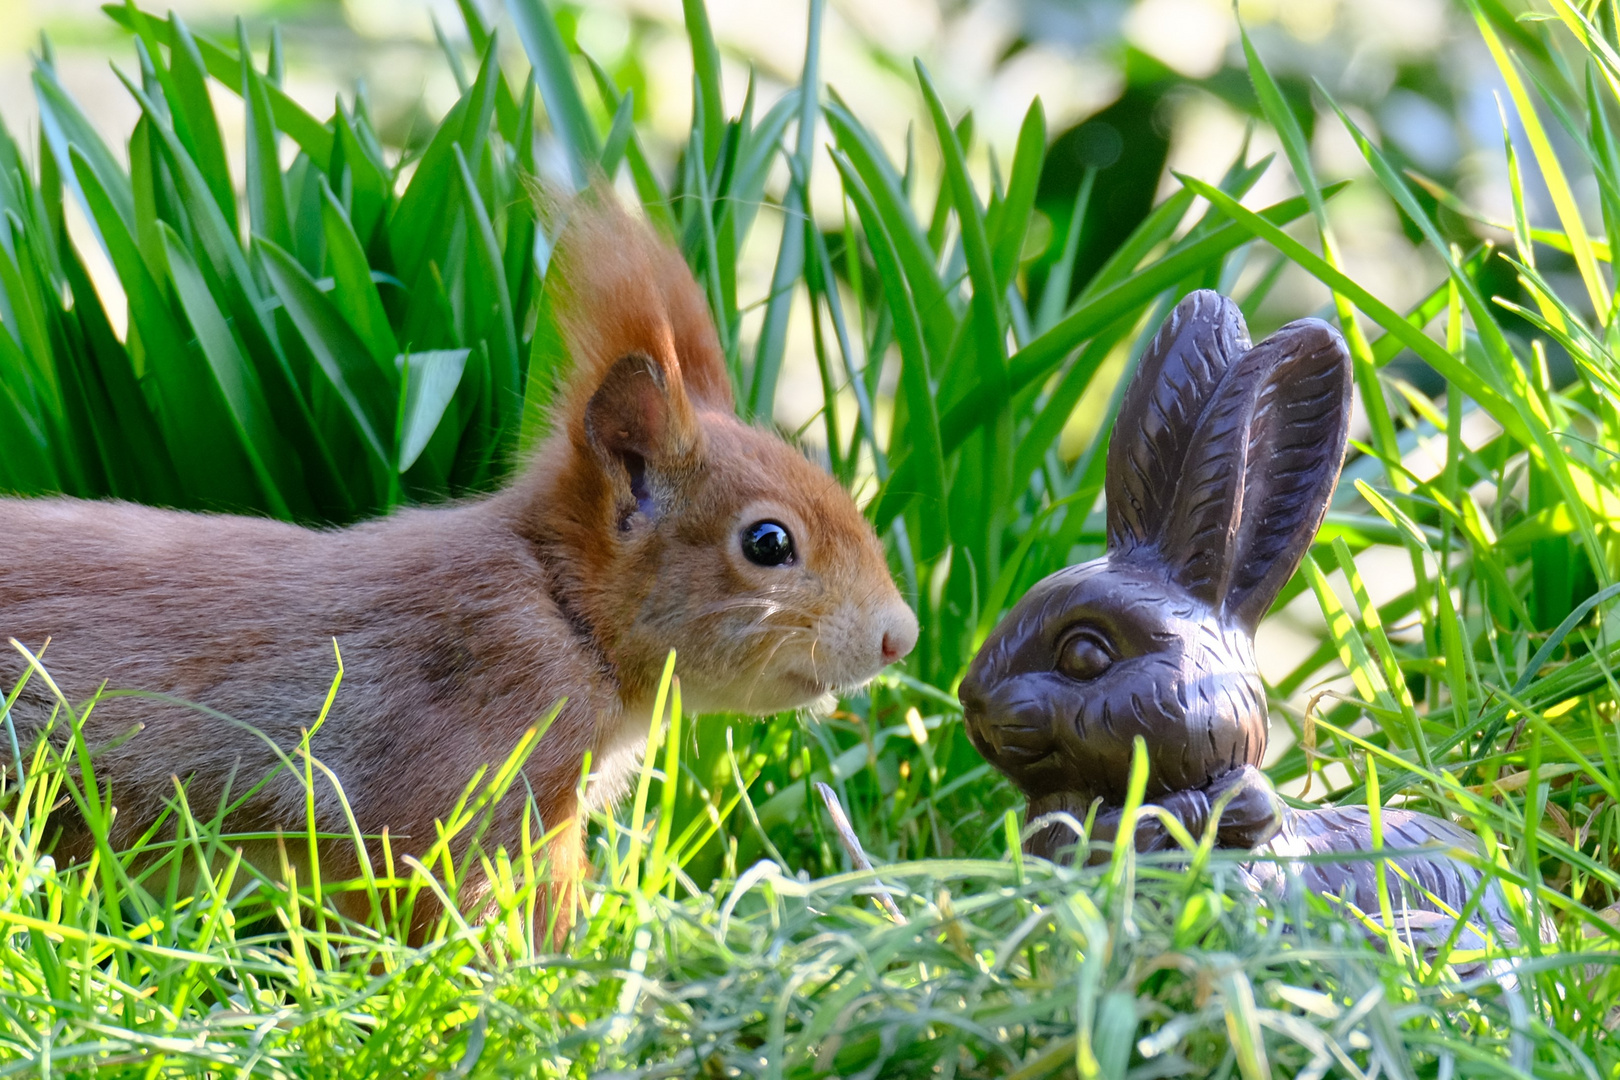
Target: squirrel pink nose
{"x": 900, "y": 635}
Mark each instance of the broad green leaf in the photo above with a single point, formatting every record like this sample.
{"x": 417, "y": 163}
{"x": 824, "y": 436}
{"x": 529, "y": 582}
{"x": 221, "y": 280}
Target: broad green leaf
{"x": 353, "y": 291}
{"x": 422, "y": 220}
{"x": 195, "y": 104}
{"x": 522, "y": 219}
{"x": 63, "y": 124}
{"x": 30, "y": 299}
{"x": 155, "y": 198}
{"x": 757, "y": 155}
{"x": 369, "y": 390}
{"x": 548, "y": 362}
{"x": 26, "y": 464}
{"x": 164, "y": 81}
{"x": 235, "y": 381}
{"x": 479, "y": 31}
{"x": 266, "y": 189}
{"x": 619, "y": 133}
{"x": 911, "y": 245}
{"x": 216, "y": 237}
{"x": 185, "y": 412}
{"x": 708, "y": 116}
{"x": 50, "y": 381}
{"x": 133, "y": 452}
{"x": 428, "y": 381}
{"x": 489, "y": 308}
{"x": 14, "y": 189}
{"x": 320, "y": 492}
{"x": 369, "y": 191}
{"x": 223, "y": 64}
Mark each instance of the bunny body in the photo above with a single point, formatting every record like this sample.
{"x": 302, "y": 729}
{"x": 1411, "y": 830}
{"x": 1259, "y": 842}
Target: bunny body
{"x": 1221, "y": 467}
{"x": 1421, "y": 846}
{"x": 650, "y": 519}
{"x": 1218, "y": 476}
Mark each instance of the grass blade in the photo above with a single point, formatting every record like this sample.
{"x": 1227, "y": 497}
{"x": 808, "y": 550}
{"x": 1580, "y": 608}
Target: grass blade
{"x": 927, "y": 451}
{"x": 1552, "y": 172}
{"x": 554, "y": 73}
{"x": 290, "y": 117}
{"x": 790, "y": 256}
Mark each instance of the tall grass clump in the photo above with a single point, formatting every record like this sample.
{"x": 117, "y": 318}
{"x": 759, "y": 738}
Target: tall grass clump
{"x": 368, "y": 326}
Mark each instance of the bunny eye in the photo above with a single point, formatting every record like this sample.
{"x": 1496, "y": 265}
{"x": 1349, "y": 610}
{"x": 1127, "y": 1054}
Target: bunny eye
{"x": 1082, "y": 655}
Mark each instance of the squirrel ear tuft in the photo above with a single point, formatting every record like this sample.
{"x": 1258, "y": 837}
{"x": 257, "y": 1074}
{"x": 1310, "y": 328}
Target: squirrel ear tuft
{"x": 1166, "y": 398}
{"x": 1260, "y": 470}
{"x": 616, "y": 288}
{"x": 638, "y": 411}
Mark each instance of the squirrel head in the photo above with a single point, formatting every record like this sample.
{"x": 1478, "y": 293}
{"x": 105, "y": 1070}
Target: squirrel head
{"x": 669, "y": 523}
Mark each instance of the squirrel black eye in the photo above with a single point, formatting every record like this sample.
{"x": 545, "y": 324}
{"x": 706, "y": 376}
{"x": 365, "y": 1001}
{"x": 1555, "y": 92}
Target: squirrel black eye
{"x": 1083, "y": 656}
{"x": 767, "y": 543}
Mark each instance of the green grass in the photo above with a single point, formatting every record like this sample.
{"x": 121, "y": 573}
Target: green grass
{"x": 364, "y": 328}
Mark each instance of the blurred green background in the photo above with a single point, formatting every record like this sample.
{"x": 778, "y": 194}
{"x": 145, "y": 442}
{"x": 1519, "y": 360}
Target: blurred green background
{"x": 1461, "y": 565}
{"x": 1136, "y": 90}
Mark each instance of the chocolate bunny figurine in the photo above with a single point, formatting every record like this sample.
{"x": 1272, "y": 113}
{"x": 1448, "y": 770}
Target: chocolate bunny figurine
{"x": 1219, "y": 474}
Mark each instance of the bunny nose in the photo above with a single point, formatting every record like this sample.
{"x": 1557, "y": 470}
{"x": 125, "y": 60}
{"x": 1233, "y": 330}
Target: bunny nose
{"x": 900, "y": 635}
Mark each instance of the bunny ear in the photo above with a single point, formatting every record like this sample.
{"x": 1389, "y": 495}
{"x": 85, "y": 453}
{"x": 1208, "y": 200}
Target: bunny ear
{"x": 1260, "y": 469}
{"x": 1172, "y": 387}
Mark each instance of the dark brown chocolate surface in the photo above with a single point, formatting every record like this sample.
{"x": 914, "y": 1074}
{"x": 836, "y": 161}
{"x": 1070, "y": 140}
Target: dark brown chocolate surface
{"x": 1223, "y": 460}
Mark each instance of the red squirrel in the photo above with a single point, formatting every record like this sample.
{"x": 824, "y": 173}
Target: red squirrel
{"x": 650, "y": 519}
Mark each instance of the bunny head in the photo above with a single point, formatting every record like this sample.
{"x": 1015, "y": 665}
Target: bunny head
{"x": 1222, "y": 463}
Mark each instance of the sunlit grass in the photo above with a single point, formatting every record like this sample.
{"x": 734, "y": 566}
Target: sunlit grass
{"x": 994, "y": 967}
{"x": 389, "y": 324}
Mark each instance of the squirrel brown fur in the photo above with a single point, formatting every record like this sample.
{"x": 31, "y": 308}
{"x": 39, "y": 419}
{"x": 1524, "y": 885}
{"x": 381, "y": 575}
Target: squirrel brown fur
{"x": 461, "y": 626}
